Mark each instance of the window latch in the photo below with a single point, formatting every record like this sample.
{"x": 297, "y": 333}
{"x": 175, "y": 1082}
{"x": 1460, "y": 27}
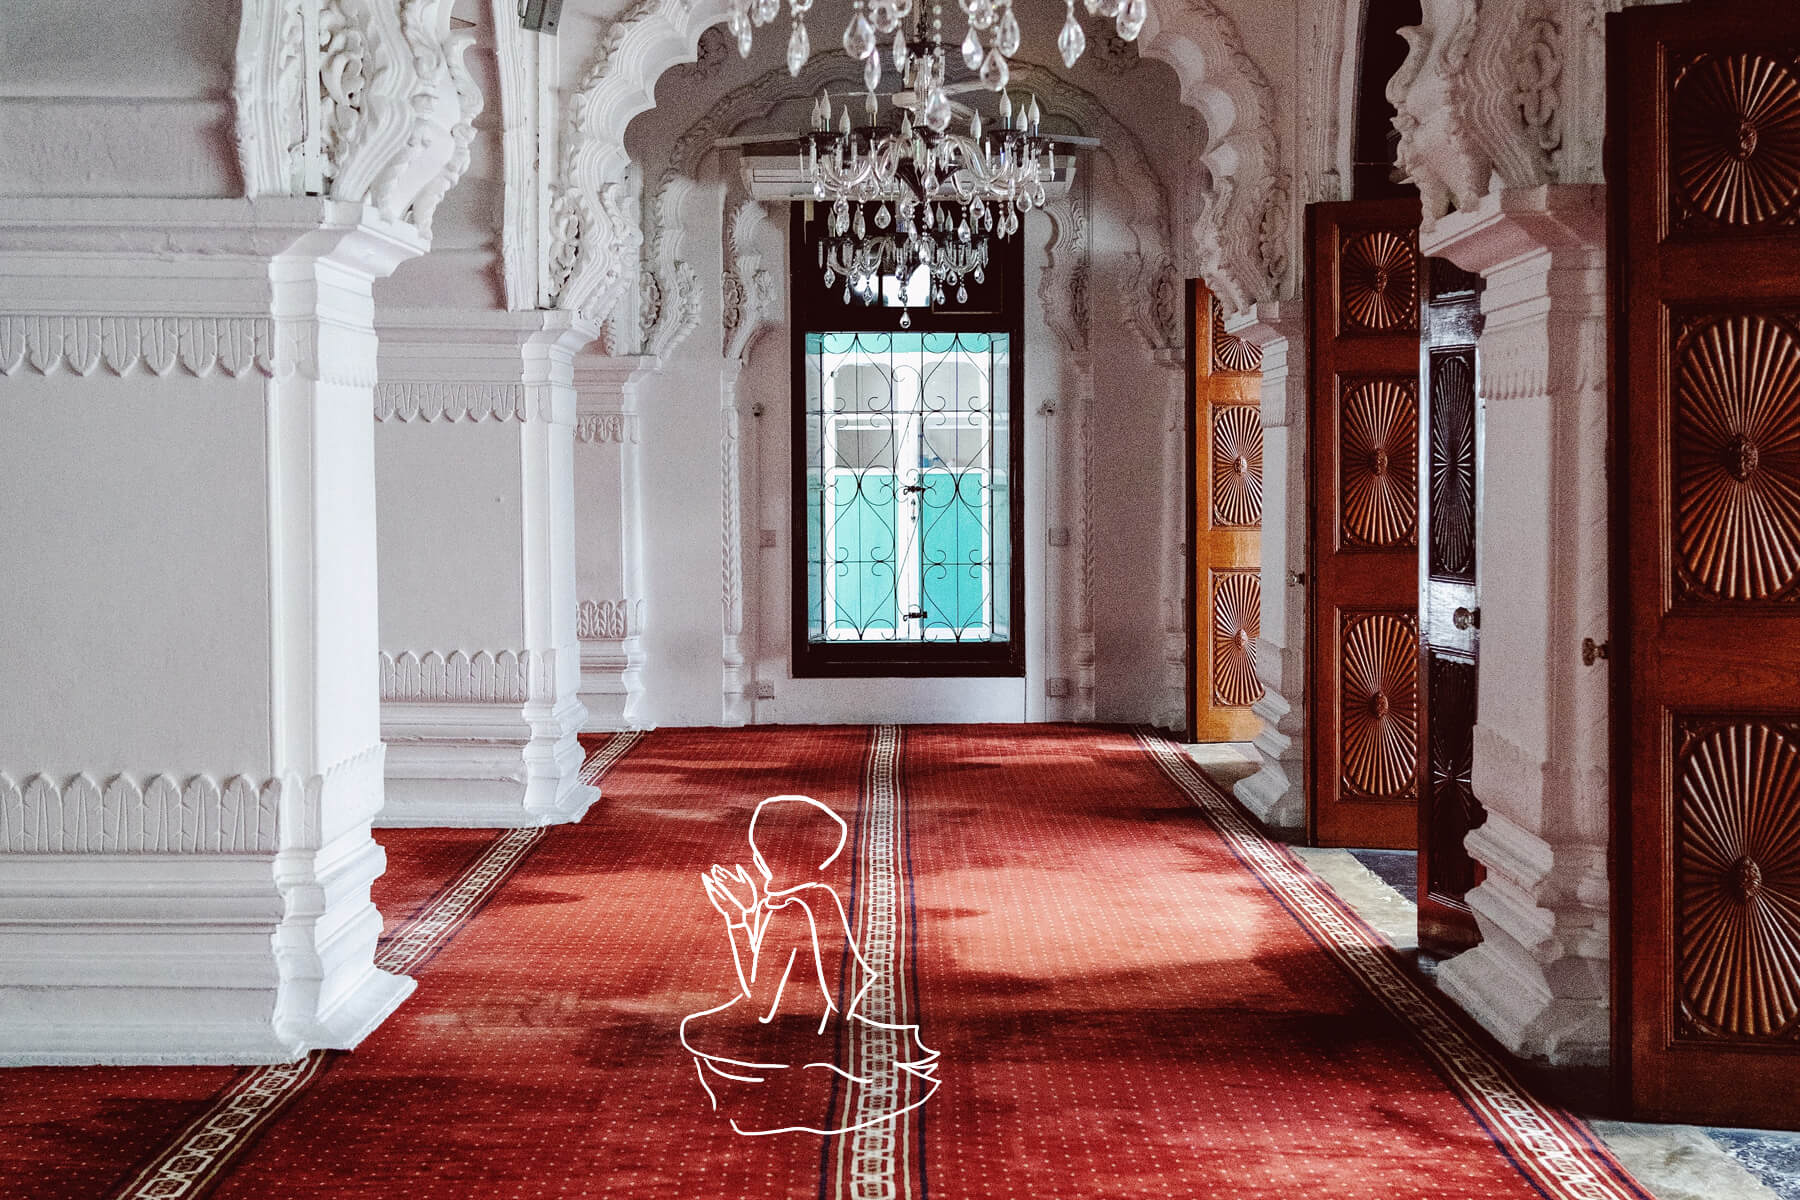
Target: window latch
{"x": 917, "y": 615}
{"x": 911, "y": 488}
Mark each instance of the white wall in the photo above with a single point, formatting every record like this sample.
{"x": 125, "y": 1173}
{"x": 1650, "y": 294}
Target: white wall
{"x": 106, "y": 99}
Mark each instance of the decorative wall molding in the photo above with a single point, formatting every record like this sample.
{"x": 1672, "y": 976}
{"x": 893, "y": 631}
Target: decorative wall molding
{"x": 605, "y": 620}
{"x": 419, "y": 401}
{"x": 1243, "y": 231}
{"x": 736, "y": 709}
{"x": 749, "y": 300}
{"x": 598, "y": 428}
{"x": 492, "y": 677}
{"x": 125, "y": 345}
{"x": 160, "y": 816}
{"x": 525, "y": 62}
{"x": 361, "y": 100}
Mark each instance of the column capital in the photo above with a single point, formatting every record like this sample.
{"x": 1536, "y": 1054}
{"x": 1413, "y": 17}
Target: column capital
{"x": 1510, "y": 224}
{"x": 1269, "y": 320}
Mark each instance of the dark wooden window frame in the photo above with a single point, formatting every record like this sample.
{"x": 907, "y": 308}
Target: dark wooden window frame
{"x": 997, "y": 307}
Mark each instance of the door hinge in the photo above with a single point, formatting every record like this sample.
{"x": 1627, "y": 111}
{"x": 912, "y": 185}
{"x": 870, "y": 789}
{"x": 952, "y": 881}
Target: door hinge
{"x": 1592, "y": 650}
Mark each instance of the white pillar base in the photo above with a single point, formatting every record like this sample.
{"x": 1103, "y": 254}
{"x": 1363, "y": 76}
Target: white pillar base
{"x": 1275, "y": 794}
{"x": 1538, "y": 980}
{"x": 483, "y": 765}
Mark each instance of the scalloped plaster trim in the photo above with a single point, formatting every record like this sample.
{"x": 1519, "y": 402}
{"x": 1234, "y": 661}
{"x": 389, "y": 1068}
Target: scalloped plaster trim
{"x": 485, "y": 677}
{"x": 451, "y": 402}
{"x": 123, "y": 345}
{"x": 162, "y": 816}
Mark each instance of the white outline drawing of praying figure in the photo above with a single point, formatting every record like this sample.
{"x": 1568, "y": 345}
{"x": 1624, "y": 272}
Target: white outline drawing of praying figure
{"x": 768, "y": 1056}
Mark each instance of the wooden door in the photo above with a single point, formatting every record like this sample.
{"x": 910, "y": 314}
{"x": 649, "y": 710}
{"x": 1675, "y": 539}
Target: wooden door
{"x": 1225, "y": 521}
{"x": 1363, "y": 686}
{"x": 1449, "y": 607}
{"x": 1704, "y": 116}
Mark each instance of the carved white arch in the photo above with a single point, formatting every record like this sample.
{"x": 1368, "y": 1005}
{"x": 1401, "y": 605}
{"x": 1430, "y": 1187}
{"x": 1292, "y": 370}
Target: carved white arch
{"x": 1241, "y": 237}
{"x": 671, "y": 312}
{"x": 1243, "y": 233}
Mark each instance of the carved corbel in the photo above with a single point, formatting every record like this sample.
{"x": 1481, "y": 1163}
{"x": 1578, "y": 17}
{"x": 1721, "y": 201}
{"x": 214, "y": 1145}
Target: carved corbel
{"x": 361, "y": 100}
{"x": 594, "y": 240}
{"x": 747, "y": 292}
{"x": 1439, "y": 149}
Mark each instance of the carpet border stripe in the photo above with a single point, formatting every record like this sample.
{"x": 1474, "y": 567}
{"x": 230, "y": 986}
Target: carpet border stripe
{"x": 873, "y": 1159}
{"x": 199, "y": 1155}
{"x": 607, "y": 757}
{"x": 1544, "y": 1143}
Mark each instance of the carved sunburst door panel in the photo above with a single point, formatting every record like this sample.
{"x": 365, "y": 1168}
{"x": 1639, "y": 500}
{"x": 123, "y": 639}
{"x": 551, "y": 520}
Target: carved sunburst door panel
{"x": 1378, "y": 715}
{"x": 1736, "y": 457}
{"x": 1734, "y": 141}
{"x": 1737, "y": 878}
{"x": 1452, "y": 466}
{"x": 1237, "y": 466}
{"x": 1237, "y": 623}
{"x": 1378, "y": 281}
{"x": 1704, "y": 136}
{"x": 1378, "y": 465}
{"x": 1226, "y": 518}
{"x": 1231, "y": 354}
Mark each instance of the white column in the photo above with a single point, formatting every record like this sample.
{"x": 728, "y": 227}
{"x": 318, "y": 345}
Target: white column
{"x": 609, "y": 533}
{"x": 480, "y": 668}
{"x": 1276, "y": 792}
{"x": 191, "y": 753}
{"x": 1538, "y": 980}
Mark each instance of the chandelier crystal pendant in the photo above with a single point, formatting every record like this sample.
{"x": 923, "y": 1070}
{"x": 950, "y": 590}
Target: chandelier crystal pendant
{"x": 991, "y": 38}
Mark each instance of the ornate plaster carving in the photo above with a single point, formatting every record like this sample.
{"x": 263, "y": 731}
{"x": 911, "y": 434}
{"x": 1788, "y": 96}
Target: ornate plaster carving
{"x": 1501, "y": 93}
{"x": 1242, "y": 233}
{"x": 163, "y": 815}
{"x": 502, "y": 676}
{"x": 122, "y": 345}
{"x": 361, "y": 100}
{"x": 599, "y": 428}
{"x": 451, "y": 402}
{"x": 604, "y": 620}
{"x": 1063, "y": 285}
{"x": 749, "y": 301}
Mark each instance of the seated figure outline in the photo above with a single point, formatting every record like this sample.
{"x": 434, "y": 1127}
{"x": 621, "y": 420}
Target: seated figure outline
{"x": 768, "y": 1055}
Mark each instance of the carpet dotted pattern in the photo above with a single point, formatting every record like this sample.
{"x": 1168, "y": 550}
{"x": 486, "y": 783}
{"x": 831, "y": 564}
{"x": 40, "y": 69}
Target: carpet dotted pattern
{"x": 1124, "y": 1010}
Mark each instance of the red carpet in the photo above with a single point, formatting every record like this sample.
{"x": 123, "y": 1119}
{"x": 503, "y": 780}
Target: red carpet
{"x": 1133, "y": 993}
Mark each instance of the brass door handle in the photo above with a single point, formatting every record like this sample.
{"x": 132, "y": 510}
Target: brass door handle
{"x": 1466, "y": 618}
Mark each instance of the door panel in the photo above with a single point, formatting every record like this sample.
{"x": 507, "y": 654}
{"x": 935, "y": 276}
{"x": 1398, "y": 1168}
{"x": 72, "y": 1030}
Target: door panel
{"x": 1225, "y": 418}
{"x": 1363, "y": 576}
{"x": 1449, "y": 610}
{"x": 1704, "y": 121}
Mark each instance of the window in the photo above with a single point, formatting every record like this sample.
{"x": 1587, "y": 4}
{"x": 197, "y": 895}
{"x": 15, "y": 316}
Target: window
{"x": 906, "y": 486}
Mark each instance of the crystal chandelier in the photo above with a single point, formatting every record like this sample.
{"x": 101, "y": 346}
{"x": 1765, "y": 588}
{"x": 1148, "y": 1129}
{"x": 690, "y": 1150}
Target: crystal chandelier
{"x": 989, "y": 43}
{"x": 933, "y": 198}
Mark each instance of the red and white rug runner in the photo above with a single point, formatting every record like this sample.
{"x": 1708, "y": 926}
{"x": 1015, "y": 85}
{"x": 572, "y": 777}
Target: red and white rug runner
{"x": 1135, "y": 994}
